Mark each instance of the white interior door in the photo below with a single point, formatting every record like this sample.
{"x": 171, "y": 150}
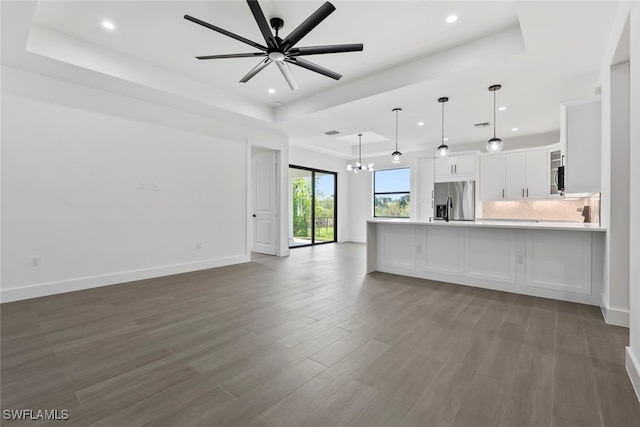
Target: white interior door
{"x": 265, "y": 205}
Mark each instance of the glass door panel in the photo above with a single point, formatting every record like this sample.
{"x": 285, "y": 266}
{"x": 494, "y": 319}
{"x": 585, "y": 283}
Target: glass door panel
{"x": 301, "y": 188}
{"x": 324, "y": 230}
{"x": 312, "y": 197}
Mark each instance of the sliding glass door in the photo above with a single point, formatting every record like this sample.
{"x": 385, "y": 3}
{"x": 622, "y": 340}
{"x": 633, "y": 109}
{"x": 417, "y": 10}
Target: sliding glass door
{"x": 313, "y": 198}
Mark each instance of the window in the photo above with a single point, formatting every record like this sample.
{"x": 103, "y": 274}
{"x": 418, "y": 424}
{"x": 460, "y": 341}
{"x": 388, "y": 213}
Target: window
{"x": 391, "y": 193}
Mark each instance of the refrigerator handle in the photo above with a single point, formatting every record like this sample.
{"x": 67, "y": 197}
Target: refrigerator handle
{"x": 503, "y": 193}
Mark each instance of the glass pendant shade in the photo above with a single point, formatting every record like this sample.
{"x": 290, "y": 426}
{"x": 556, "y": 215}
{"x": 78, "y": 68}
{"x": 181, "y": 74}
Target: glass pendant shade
{"x": 442, "y": 151}
{"x": 396, "y": 156}
{"x": 494, "y": 145}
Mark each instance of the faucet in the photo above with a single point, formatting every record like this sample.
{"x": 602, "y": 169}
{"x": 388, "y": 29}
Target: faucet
{"x": 448, "y": 207}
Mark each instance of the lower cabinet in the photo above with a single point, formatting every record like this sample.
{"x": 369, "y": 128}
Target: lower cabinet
{"x": 560, "y": 264}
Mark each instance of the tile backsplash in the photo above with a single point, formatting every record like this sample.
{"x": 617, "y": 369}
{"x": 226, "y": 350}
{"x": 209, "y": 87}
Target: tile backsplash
{"x": 550, "y": 210}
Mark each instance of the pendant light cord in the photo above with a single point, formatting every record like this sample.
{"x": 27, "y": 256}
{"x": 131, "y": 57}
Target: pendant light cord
{"x": 494, "y": 114}
{"x": 360, "y": 148}
{"x": 442, "y": 123}
{"x": 397, "y": 130}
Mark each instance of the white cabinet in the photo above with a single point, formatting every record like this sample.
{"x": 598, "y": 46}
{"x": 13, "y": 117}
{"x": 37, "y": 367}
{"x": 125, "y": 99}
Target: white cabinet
{"x": 536, "y": 174}
{"x": 457, "y": 168}
{"x": 526, "y": 175}
{"x": 426, "y": 178}
{"x": 580, "y": 132}
{"x": 492, "y": 177}
{"x": 514, "y": 176}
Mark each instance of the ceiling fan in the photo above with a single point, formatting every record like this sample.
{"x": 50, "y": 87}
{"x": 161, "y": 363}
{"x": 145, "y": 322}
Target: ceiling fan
{"x": 282, "y": 51}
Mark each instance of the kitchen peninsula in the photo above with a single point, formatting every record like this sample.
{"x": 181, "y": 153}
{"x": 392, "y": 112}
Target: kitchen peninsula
{"x": 558, "y": 260}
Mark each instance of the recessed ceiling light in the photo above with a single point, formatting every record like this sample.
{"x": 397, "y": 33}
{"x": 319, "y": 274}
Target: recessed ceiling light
{"x": 451, "y": 19}
{"x": 272, "y": 90}
{"x": 108, "y": 25}
{"x": 502, "y": 108}
{"x": 514, "y": 129}
{"x": 446, "y": 139}
{"x": 420, "y": 123}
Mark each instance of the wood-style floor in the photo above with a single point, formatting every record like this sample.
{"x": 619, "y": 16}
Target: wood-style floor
{"x": 311, "y": 340}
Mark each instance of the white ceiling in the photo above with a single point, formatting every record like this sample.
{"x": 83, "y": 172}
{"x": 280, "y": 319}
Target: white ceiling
{"x": 541, "y": 52}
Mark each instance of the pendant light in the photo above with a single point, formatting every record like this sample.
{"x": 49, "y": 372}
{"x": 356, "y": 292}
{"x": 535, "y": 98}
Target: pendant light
{"x": 494, "y": 144}
{"x": 396, "y": 155}
{"x": 443, "y": 149}
{"x": 359, "y": 166}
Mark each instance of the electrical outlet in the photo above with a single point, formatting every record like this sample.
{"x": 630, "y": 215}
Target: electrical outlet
{"x": 35, "y": 260}
{"x": 520, "y": 260}
{"x": 199, "y": 244}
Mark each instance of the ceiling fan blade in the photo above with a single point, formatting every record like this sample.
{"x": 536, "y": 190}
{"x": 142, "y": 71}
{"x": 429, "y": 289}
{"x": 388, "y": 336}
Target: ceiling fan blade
{"x": 313, "y": 67}
{"x": 225, "y": 32}
{"x": 255, "y": 70}
{"x": 317, "y": 50}
{"x": 309, "y": 24}
{"x": 288, "y": 75}
{"x": 265, "y": 29}
{"x": 233, "y": 55}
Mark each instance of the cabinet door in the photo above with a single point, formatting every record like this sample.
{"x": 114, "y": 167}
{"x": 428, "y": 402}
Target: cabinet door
{"x": 465, "y": 165}
{"x": 582, "y": 136}
{"x": 536, "y": 174}
{"x": 514, "y": 175}
{"x": 492, "y": 177}
{"x": 444, "y": 166}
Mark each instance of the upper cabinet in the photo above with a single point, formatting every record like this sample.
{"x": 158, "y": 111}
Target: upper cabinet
{"x": 456, "y": 168}
{"x": 580, "y": 131}
{"x": 526, "y": 175}
{"x": 492, "y": 177}
{"x": 514, "y": 176}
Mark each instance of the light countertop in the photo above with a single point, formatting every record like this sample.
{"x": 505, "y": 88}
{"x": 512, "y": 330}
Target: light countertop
{"x": 488, "y": 223}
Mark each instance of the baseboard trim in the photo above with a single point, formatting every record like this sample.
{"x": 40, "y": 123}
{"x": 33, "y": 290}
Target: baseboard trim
{"x": 354, "y": 240}
{"x": 52, "y": 288}
{"x": 633, "y": 369}
{"x": 614, "y": 316}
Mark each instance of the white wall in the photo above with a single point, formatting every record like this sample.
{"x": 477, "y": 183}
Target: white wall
{"x": 361, "y": 191}
{"x": 615, "y": 183}
{"x": 108, "y": 189}
{"x": 618, "y": 229}
{"x": 633, "y": 351}
{"x": 312, "y": 159}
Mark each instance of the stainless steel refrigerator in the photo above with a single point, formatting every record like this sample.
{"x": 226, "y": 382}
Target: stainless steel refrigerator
{"x": 455, "y": 201}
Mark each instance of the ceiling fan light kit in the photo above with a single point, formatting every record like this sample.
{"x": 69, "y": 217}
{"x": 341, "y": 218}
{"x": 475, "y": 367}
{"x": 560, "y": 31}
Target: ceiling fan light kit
{"x": 359, "y": 166}
{"x": 282, "y": 51}
{"x": 396, "y": 156}
{"x": 443, "y": 149}
{"x": 494, "y": 145}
